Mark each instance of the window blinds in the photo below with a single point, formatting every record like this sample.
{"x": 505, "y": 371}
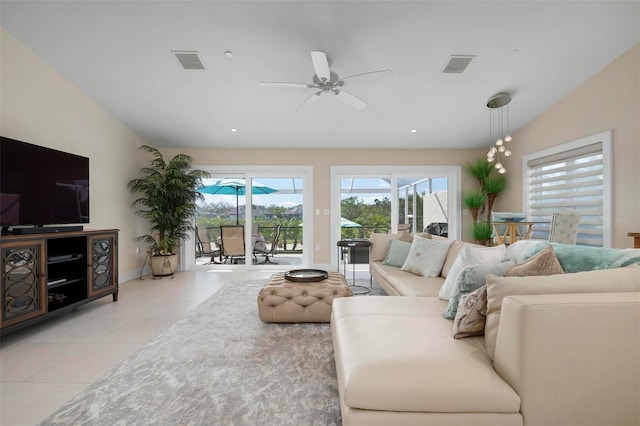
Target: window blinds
{"x": 568, "y": 181}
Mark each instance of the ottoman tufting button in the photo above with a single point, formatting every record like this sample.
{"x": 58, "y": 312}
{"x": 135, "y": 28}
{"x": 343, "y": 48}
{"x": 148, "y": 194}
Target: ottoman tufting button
{"x": 304, "y": 293}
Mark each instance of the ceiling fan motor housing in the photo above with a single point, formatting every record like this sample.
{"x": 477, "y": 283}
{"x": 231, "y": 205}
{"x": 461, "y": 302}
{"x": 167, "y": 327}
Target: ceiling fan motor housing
{"x": 326, "y": 86}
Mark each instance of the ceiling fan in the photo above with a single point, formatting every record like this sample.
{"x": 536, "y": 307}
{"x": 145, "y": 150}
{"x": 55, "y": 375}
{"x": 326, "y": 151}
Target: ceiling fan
{"x": 325, "y": 81}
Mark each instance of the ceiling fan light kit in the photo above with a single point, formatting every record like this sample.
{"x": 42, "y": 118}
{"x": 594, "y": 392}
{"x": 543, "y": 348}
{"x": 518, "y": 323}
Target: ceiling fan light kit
{"x": 326, "y": 81}
{"x": 498, "y": 106}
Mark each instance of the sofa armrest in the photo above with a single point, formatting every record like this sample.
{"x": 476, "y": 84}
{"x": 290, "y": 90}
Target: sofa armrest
{"x": 574, "y": 359}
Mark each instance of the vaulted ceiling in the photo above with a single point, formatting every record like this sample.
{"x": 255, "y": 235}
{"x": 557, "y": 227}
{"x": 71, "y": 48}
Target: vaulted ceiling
{"x": 120, "y": 54}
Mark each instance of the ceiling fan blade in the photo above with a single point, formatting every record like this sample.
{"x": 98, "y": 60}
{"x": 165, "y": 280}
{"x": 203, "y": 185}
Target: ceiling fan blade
{"x": 310, "y": 100}
{"x": 321, "y": 65}
{"x": 350, "y": 100}
{"x": 282, "y": 84}
{"x": 379, "y": 74}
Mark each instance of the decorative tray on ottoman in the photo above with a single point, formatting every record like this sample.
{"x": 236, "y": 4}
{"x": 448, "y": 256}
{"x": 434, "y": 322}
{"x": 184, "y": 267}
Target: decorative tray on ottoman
{"x": 306, "y": 275}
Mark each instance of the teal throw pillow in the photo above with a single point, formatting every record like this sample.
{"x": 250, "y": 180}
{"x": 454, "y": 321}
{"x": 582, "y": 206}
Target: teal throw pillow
{"x": 472, "y": 278}
{"x": 397, "y": 253}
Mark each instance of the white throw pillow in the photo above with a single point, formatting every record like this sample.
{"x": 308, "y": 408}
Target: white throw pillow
{"x": 426, "y": 257}
{"x": 468, "y": 256}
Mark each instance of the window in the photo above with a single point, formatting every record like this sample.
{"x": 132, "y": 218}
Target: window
{"x": 572, "y": 177}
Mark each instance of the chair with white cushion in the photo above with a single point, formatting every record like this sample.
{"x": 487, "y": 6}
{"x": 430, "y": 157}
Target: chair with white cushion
{"x": 564, "y": 228}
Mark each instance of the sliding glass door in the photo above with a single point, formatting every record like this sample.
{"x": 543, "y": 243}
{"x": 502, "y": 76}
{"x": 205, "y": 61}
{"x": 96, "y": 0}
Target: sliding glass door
{"x": 264, "y": 207}
{"x": 393, "y": 199}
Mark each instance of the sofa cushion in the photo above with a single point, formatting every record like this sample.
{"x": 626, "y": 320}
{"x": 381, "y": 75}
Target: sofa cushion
{"x": 399, "y": 356}
{"x": 426, "y": 257}
{"x": 408, "y": 284}
{"x": 380, "y": 245}
{"x": 469, "y": 255}
{"x": 543, "y": 263}
{"x": 471, "y": 314}
{"x": 602, "y": 281}
{"x": 397, "y": 253}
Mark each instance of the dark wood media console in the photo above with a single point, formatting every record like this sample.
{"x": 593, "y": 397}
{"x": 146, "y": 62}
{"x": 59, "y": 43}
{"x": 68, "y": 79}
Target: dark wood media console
{"x": 45, "y": 275}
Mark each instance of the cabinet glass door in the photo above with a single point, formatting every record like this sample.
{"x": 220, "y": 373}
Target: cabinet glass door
{"x": 102, "y": 272}
{"x": 22, "y": 295}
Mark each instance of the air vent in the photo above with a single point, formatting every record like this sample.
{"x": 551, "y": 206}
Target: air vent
{"x": 189, "y": 60}
{"x": 457, "y": 64}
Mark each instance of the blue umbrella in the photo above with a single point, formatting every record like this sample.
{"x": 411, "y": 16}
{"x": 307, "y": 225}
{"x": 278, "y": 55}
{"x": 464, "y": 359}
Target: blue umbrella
{"x": 237, "y": 187}
{"x": 346, "y": 223}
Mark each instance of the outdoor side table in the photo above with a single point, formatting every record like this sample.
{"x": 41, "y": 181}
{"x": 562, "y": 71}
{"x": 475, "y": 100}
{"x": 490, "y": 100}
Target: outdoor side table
{"x": 349, "y": 247}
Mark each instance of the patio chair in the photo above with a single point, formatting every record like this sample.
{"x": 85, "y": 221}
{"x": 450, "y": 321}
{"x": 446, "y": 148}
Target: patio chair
{"x": 272, "y": 249}
{"x": 401, "y": 227}
{"x": 564, "y": 228}
{"x": 232, "y": 242}
{"x": 206, "y": 247}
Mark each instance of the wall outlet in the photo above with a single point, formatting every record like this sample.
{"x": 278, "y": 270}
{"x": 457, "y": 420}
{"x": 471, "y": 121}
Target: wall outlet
{"x": 327, "y": 212}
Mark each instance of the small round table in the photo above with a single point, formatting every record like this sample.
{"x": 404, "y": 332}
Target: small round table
{"x": 349, "y": 246}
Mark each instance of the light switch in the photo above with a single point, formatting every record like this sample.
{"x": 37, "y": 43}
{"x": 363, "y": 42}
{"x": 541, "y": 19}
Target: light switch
{"x": 327, "y": 212}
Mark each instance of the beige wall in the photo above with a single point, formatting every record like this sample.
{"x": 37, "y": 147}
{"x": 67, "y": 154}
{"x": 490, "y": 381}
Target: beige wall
{"x": 40, "y": 106}
{"x": 322, "y": 160}
{"x": 609, "y": 100}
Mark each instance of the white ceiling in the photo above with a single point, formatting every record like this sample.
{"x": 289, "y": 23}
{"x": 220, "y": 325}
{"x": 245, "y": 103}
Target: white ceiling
{"x": 119, "y": 53}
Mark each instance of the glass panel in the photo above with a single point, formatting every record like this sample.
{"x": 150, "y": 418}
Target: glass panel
{"x": 275, "y": 225}
{"x": 422, "y": 204}
{"x": 277, "y": 202}
{"x": 365, "y": 206}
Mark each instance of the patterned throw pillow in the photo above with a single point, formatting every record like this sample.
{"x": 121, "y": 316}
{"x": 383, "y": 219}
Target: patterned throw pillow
{"x": 426, "y": 257}
{"x": 543, "y": 263}
{"x": 472, "y": 314}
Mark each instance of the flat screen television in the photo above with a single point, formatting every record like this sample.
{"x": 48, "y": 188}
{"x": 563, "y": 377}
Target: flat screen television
{"x": 40, "y": 186}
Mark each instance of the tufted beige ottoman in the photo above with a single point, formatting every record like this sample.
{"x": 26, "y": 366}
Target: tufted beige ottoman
{"x": 285, "y": 301}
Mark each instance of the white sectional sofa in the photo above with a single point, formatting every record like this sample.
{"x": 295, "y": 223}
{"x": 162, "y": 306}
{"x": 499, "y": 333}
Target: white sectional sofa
{"x": 569, "y": 358}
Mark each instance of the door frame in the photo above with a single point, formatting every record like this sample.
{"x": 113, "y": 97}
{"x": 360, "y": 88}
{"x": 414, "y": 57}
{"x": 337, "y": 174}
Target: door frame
{"x": 454, "y": 192}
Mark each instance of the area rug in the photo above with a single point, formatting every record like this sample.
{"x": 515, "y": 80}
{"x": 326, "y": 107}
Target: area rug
{"x": 220, "y": 365}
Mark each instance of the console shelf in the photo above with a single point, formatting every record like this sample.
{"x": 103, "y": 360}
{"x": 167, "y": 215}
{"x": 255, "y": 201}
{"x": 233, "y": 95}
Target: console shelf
{"x": 44, "y": 275}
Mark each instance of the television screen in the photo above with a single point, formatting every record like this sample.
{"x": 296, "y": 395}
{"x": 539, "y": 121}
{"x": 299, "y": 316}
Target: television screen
{"x": 42, "y": 186}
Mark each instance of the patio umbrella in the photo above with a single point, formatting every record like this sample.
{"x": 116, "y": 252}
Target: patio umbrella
{"x": 346, "y": 223}
{"x": 237, "y": 187}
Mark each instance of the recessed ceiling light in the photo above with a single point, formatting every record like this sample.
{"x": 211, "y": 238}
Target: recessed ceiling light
{"x": 234, "y": 130}
{"x": 413, "y": 130}
{"x": 228, "y": 54}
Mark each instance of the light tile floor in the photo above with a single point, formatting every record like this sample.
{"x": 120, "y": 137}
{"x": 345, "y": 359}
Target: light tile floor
{"x": 45, "y": 365}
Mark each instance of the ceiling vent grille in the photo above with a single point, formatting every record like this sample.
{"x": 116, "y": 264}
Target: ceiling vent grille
{"x": 457, "y": 64}
{"x": 189, "y": 60}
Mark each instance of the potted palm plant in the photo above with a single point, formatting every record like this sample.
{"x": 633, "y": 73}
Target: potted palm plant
{"x": 167, "y": 201}
{"x": 480, "y": 202}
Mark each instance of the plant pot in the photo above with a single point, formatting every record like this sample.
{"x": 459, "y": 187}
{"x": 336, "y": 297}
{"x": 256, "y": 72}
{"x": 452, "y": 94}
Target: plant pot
{"x": 484, "y": 242}
{"x": 164, "y": 265}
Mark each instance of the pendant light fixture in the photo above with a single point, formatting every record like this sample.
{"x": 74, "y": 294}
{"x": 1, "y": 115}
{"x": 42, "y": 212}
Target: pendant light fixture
{"x": 499, "y": 130}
